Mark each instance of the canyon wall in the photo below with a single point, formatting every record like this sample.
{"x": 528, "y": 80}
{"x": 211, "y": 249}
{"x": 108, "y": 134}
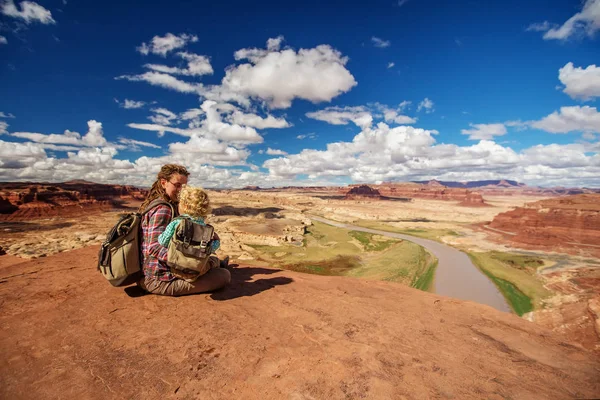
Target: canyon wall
{"x": 561, "y": 222}
{"x": 27, "y": 200}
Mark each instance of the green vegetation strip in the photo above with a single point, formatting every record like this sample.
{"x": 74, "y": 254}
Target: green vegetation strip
{"x": 432, "y": 234}
{"x": 515, "y": 276}
{"x": 425, "y": 281}
{"x": 328, "y": 250}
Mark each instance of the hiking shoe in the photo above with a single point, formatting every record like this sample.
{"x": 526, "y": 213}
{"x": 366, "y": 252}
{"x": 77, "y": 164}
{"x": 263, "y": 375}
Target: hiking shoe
{"x": 224, "y": 262}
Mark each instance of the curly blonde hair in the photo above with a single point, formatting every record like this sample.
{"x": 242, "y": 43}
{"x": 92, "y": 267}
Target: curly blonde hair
{"x": 194, "y": 201}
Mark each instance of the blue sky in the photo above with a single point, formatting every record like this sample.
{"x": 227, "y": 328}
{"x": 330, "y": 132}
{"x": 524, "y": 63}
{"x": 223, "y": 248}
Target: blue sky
{"x": 275, "y": 93}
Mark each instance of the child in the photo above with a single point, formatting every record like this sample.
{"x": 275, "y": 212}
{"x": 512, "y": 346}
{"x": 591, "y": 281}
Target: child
{"x": 195, "y": 205}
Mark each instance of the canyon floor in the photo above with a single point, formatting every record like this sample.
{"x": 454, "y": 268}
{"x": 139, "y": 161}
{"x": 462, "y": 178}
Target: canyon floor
{"x": 281, "y": 334}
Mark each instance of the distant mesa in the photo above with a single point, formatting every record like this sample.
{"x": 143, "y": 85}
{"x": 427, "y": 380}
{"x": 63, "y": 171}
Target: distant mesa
{"x": 507, "y": 187}
{"x": 363, "y": 192}
{"x": 505, "y": 183}
{"x": 435, "y": 182}
{"x": 79, "y": 182}
{"x": 433, "y": 190}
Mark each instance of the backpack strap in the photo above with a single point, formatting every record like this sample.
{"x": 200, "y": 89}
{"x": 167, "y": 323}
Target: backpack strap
{"x": 186, "y": 228}
{"x": 158, "y": 202}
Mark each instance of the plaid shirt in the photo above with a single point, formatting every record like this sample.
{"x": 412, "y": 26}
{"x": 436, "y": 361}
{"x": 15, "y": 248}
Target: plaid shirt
{"x": 154, "y": 255}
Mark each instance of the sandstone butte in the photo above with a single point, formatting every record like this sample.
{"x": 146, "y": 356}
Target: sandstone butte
{"x": 271, "y": 334}
{"x": 363, "y": 192}
{"x": 566, "y": 223}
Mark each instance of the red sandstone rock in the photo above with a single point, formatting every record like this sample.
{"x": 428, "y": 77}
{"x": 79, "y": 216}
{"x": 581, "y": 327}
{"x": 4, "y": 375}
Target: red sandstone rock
{"x": 474, "y": 199}
{"x": 363, "y": 192}
{"x": 27, "y": 200}
{"x": 270, "y": 334}
{"x": 569, "y": 223}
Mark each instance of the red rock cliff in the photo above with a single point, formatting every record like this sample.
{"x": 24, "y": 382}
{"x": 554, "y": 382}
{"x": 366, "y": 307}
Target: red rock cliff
{"x": 27, "y": 200}
{"x": 563, "y": 222}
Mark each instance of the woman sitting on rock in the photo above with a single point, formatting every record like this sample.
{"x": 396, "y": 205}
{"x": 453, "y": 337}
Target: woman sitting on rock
{"x": 158, "y": 278}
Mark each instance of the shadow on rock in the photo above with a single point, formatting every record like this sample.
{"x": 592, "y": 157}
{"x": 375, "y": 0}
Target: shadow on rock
{"x": 135, "y": 291}
{"x": 242, "y": 285}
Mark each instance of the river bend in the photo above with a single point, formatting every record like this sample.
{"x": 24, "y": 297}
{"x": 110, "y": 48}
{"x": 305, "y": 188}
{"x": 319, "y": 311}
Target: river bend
{"x": 455, "y": 275}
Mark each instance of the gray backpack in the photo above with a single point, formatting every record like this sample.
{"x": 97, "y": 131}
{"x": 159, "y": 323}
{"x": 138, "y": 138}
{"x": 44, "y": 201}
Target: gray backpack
{"x": 119, "y": 258}
{"x": 190, "y": 247}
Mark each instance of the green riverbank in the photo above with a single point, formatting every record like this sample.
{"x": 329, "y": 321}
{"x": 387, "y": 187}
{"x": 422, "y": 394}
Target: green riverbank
{"x": 515, "y": 276}
{"x": 328, "y": 250}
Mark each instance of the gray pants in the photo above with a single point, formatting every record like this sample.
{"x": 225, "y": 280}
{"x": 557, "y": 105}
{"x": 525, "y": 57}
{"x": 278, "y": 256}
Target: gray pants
{"x": 214, "y": 279}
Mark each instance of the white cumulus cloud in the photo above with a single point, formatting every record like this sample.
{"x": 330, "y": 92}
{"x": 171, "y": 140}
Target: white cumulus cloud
{"x": 197, "y": 65}
{"x": 135, "y": 144}
{"x": 279, "y": 76}
{"x": 405, "y": 153}
{"x": 162, "y": 116}
{"x": 484, "y": 131}
{"x": 3, "y": 40}
{"x": 93, "y": 137}
{"x": 580, "y": 83}
{"x": 30, "y": 12}
{"x": 586, "y": 22}
{"x": 212, "y": 126}
{"x": 426, "y": 105}
{"x": 570, "y": 119}
{"x": 165, "y": 81}
{"x": 232, "y": 133}
{"x": 359, "y": 115}
{"x": 273, "y": 44}
{"x": 161, "y": 45}
{"x": 276, "y": 152}
{"x": 256, "y": 121}
{"x": 130, "y": 104}
{"x": 363, "y": 116}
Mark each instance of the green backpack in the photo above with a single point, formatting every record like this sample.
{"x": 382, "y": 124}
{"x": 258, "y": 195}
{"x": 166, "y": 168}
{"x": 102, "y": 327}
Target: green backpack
{"x": 119, "y": 258}
{"x": 190, "y": 247}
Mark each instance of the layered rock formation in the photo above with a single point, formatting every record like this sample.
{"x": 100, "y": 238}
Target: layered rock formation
{"x": 574, "y": 309}
{"x": 569, "y": 223}
{"x": 433, "y": 190}
{"x": 363, "y": 192}
{"x": 28, "y": 201}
